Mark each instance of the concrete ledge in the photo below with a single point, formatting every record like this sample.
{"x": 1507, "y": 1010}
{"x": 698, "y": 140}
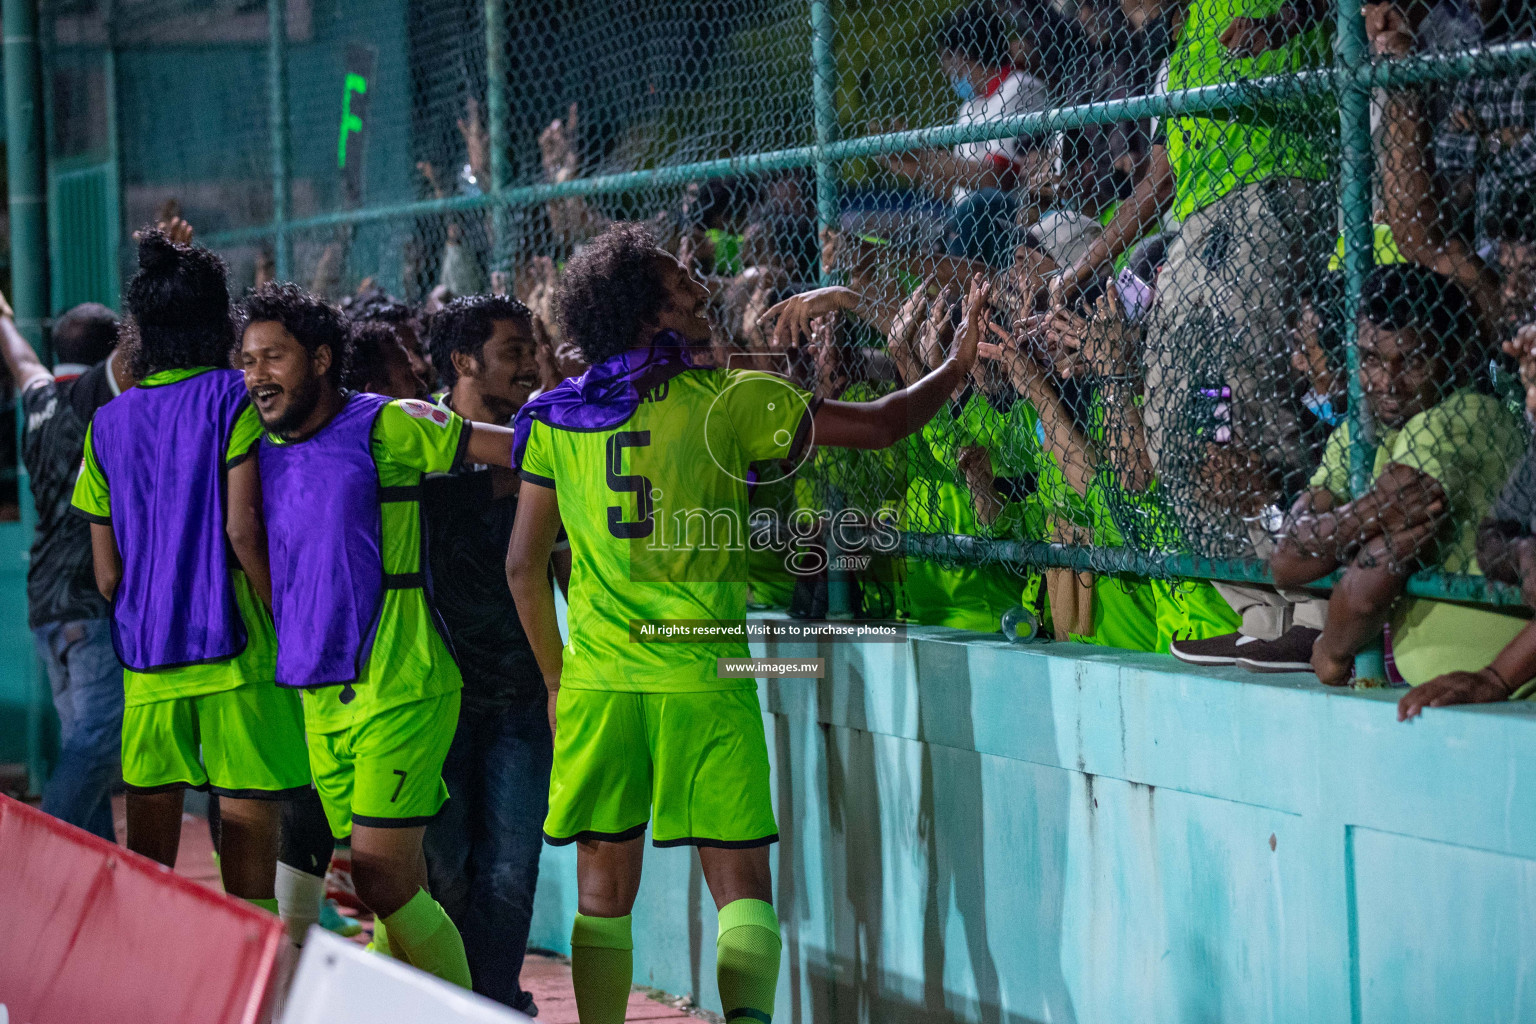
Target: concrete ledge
{"x": 978, "y": 830}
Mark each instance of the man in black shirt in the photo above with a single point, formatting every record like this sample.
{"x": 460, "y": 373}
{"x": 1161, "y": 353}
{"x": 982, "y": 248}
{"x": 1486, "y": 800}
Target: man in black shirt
{"x": 483, "y": 848}
{"x": 69, "y": 618}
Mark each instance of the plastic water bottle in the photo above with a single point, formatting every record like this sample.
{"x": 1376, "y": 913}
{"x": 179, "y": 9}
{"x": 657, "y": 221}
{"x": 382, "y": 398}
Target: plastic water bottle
{"x": 1020, "y": 625}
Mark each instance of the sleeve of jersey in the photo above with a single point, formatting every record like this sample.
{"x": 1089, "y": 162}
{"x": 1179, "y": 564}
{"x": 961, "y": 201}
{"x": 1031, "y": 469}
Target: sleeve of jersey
{"x": 419, "y": 435}
{"x": 770, "y": 416}
{"x": 243, "y": 439}
{"x": 92, "y": 498}
{"x": 537, "y": 467}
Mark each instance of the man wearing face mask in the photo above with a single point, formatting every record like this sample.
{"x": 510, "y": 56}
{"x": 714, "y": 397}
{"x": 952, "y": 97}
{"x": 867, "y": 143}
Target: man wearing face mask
{"x": 979, "y": 178}
{"x": 483, "y": 849}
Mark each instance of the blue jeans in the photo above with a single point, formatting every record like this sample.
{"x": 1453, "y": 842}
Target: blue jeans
{"x": 87, "y": 684}
{"x": 483, "y": 848}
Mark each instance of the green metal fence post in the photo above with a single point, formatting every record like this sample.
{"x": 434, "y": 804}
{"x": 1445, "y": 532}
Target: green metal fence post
{"x": 26, "y": 184}
{"x": 497, "y": 112}
{"x": 1355, "y": 176}
{"x": 828, "y": 216}
{"x": 277, "y": 117}
{"x": 27, "y": 188}
{"x": 824, "y": 88}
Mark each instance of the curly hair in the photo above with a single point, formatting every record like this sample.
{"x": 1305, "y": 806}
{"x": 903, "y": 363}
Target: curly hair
{"x": 611, "y": 289}
{"x": 366, "y": 363}
{"x": 466, "y": 324}
{"x": 310, "y": 319}
{"x": 375, "y": 305}
{"x": 179, "y": 301}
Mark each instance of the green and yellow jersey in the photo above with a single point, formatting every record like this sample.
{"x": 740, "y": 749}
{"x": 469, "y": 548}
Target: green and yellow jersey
{"x": 656, "y": 510}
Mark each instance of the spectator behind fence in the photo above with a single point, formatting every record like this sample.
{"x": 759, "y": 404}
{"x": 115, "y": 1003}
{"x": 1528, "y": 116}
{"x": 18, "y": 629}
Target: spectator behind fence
{"x": 1485, "y": 152}
{"x": 979, "y": 178}
{"x": 71, "y": 622}
{"x": 1442, "y": 454}
{"x": 1506, "y": 549}
{"x": 482, "y": 849}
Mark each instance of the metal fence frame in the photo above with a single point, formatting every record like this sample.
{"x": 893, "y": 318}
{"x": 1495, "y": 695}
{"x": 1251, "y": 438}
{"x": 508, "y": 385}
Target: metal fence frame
{"x": 1351, "y": 78}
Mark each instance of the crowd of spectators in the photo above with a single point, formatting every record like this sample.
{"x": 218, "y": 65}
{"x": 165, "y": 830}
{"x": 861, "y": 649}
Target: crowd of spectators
{"x": 1166, "y": 371}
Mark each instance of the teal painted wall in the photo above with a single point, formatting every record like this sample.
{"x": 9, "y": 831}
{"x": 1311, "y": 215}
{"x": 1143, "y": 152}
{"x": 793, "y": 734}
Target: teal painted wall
{"x": 975, "y": 831}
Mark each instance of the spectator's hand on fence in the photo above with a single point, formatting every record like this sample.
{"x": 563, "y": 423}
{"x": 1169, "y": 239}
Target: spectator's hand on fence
{"x": 557, "y": 147}
{"x": 1249, "y": 37}
{"x": 1482, "y": 687}
{"x": 1388, "y": 30}
{"x": 794, "y": 314}
{"x": 975, "y": 465}
{"x": 901, "y": 342}
{"x": 477, "y": 146}
{"x": 1236, "y": 478}
{"x": 974, "y": 325}
{"x": 1522, "y": 348}
{"x": 938, "y": 329}
{"x": 831, "y": 377}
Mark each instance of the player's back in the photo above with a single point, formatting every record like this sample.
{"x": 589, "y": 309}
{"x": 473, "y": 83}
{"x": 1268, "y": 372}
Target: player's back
{"x": 657, "y": 515}
{"x": 161, "y": 447}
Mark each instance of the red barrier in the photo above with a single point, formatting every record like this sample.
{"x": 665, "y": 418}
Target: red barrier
{"x": 92, "y": 933}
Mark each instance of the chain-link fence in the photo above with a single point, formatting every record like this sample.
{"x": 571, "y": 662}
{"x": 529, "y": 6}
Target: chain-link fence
{"x": 1259, "y": 269}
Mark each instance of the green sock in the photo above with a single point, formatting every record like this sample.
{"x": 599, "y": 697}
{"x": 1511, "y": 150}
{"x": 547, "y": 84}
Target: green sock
{"x": 747, "y": 961}
{"x": 380, "y": 942}
{"x": 270, "y": 906}
{"x": 602, "y": 965}
{"x": 421, "y": 930}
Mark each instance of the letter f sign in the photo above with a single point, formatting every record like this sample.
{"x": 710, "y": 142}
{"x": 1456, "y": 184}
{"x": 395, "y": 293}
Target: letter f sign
{"x": 350, "y": 122}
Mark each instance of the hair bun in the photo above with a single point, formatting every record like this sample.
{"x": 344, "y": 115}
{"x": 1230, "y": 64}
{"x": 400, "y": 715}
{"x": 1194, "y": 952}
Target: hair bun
{"x": 157, "y": 253}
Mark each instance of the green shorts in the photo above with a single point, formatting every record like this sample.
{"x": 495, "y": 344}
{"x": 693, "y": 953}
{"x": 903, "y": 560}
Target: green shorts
{"x": 694, "y": 765}
{"x": 386, "y": 771}
{"x": 243, "y": 742}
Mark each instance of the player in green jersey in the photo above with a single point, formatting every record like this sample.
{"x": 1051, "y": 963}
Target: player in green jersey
{"x": 378, "y": 736}
{"x": 644, "y": 460}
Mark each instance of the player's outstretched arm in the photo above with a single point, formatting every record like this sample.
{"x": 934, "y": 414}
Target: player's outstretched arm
{"x": 883, "y": 422}
{"x": 26, "y": 369}
{"x": 488, "y": 445}
{"x": 106, "y": 560}
{"x": 533, "y": 539}
{"x": 246, "y": 529}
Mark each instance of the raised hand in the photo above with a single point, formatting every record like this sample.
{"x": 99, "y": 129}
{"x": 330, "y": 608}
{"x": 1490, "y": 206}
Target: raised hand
{"x": 795, "y": 313}
{"x": 1387, "y": 30}
{"x": 974, "y": 324}
{"x": 557, "y": 147}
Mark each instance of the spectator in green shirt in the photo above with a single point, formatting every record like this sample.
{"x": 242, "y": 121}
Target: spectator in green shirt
{"x": 1443, "y": 451}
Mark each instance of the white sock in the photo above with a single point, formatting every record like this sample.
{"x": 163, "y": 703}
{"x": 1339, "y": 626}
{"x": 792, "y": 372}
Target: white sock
{"x": 298, "y": 900}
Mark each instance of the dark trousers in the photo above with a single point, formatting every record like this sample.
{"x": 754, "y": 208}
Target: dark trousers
{"x": 483, "y": 848}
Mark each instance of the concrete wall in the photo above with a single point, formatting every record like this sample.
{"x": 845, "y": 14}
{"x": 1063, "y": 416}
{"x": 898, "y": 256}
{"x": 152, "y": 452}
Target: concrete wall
{"x": 976, "y": 831}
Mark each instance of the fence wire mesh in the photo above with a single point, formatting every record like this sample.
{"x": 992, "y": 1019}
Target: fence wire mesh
{"x": 1260, "y": 271}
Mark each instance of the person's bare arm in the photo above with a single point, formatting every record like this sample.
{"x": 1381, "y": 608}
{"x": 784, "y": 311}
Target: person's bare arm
{"x": 106, "y": 560}
{"x": 1412, "y": 207}
{"x": 247, "y": 529}
{"x": 1512, "y": 668}
{"x": 1322, "y": 535}
{"x": 26, "y": 369}
{"x": 1140, "y": 212}
{"x": 1361, "y": 602}
{"x": 533, "y": 541}
{"x": 883, "y": 422}
{"x": 488, "y": 445}
{"x": 1063, "y": 440}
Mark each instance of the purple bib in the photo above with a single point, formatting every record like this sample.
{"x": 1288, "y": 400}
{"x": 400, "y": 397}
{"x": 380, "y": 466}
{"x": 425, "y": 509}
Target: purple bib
{"x": 162, "y": 450}
{"x": 321, "y": 497}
